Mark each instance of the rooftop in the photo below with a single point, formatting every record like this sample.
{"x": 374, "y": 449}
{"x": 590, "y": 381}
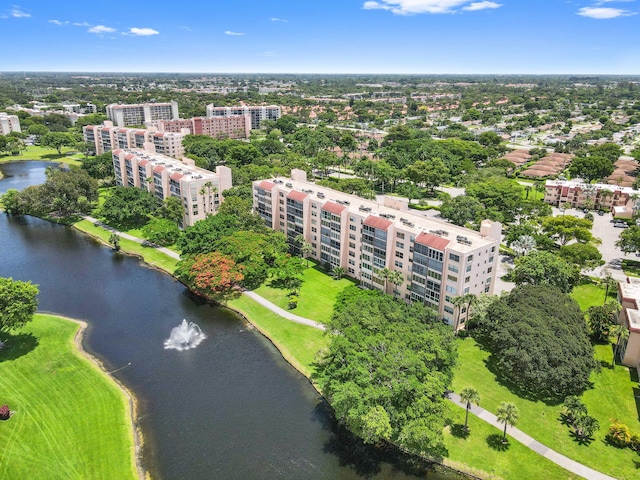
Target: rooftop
{"x": 162, "y": 162}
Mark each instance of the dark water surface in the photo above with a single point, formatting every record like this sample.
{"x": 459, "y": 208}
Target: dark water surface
{"x": 230, "y": 409}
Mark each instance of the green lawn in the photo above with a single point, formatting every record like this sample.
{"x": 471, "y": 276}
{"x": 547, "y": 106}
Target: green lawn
{"x": 317, "y": 294}
{"x": 474, "y": 454}
{"x": 590, "y": 294}
{"x": 47, "y": 154}
{"x": 611, "y": 398}
{"x": 298, "y": 343}
{"x": 150, "y": 255}
{"x": 631, "y": 268}
{"x": 71, "y": 421}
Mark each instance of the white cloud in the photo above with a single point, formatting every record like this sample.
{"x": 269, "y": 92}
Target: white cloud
{"x": 81, "y": 24}
{"x": 276, "y": 19}
{"x": 229, "y": 32}
{"x": 101, "y": 29}
{"x": 59, "y": 23}
{"x": 475, "y": 6}
{"x": 410, "y": 7}
{"x": 604, "y": 13}
{"x": 16, "y": 12}
{"x": 142, "y": 32}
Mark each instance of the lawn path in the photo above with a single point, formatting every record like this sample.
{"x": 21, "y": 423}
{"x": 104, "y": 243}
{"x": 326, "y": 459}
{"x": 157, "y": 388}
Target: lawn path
{"x": 527, "y": 441}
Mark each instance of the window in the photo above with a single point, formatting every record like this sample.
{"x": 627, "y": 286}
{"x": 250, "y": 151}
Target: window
{"x": 399, "y": 245}
{"x": 453, "y": 290}
{"x": 399, "y": 255}
{"x": 493, "y": 249}
{"x": 469, "y": 267}
{"x": 467, "y": 279}
{"x": 454, "y": 258}
{"x": 400, "y": 235}
{"x": 352, "y": 245}
{"x": 466, "y": 290}
{"x": 489, "y": 270}
{"x": 352, "y": 236}
{"x": 352, "y": 228}
{"x": 470, "y": 258}
{"x": 452, "y": 278}
{"x": 490, "y": 259}
{"x": 398, "y": 264}
{"x": 453, "y": 268}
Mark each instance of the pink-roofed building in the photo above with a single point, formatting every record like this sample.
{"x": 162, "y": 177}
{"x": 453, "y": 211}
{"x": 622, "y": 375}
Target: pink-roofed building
{"x": 200, "y": 190}
{"x": 629, "y": 316}
{"x": 438, "y": 261}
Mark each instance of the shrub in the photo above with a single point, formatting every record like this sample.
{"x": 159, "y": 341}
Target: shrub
{"x": 4, "y": 412}
{"x": 634, "y": 442}
{"x": 293, "y": 302}
{"x": 619, "y": 435}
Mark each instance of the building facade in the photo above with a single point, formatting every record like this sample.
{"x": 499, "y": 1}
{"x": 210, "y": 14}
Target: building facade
{"x": 629, "y": 317}
{"x": 9, "y": 123}
{"x": 107, "y": 137}
{"x": 139, "y": 114}
{"x": 256, "y": 113}
{"x": 619, "y": 200}
{"x": 216, "y": 127}
{"x": 200, "y": 190}
{"x": 438, "y": 261}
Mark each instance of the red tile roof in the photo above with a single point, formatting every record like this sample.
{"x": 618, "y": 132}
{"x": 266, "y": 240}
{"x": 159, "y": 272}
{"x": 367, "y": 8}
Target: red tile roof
{"x": 176, "y": 176}
{"x": 158, "y": 169}
{"x": 117, "y": 152}
{"x": 143, "y": 162}
{"x": 433, "y": 241}
{"x": 266, "y": 185}
{"x": 333, "y": 208}
{"x": 130, "y": 156}
{"x": 297, "y": 196}
{"x": 377, "y": 222}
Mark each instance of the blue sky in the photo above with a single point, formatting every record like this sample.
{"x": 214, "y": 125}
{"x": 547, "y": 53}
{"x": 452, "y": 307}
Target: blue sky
{"x": 325, "y": 36}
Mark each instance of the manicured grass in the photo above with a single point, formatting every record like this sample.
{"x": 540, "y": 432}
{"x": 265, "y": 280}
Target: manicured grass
{"x": 479, "y": 454}
{"x": 612, "y": 397}
{"x": 590, "y": 294}
{"x": 317, "y": 294}
{"x": 150, "y": 255}
{"x": 36, "y": 152}
{"x": 71, "y": 421}
{"x": 298, "y": 343}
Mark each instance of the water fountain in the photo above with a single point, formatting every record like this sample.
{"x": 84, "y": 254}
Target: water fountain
{"x": 185, "y": 336}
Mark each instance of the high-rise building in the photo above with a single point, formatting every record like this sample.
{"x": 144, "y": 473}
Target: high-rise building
{"x": 438, "y": 261}
{"x": 257, "y": 113}
{"x": 9, "y": 123}
{"x": 215, "y": 127}
{"x": 107, "y": 137}
{"x": 200, "y": 190}
{"x": 139, "y": 114}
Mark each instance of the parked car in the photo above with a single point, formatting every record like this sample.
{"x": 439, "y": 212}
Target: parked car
{"x": 600, "y": 212}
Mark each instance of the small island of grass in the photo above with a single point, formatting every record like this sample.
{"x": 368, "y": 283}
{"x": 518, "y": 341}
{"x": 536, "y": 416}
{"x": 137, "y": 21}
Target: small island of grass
{"x": 69, "y": 419}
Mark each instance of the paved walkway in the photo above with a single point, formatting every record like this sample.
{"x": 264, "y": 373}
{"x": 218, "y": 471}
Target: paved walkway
{"x": 526, "y": 440}
{"x": 262, "y": 301}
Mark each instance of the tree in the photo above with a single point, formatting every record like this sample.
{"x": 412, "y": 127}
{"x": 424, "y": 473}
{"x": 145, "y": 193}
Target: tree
{"x": 463, "y": 210}
{"x": 585, "y": 426}
{"x": 127, "y": 207}
{"x": 524, "y": 245}
{"x": 544, "y": 329}
{"x": 573, "y": 408}
{"x": 57, "y": 140}
{"x": 609, "y": 283}
{"x": 430, "y": 173}
{"x": 172, "y": 210}
{"x": 114, "y": 239}
{"x": 601, "y": 319}
{"x": 622, "y": 334}
{"x": 338, "y": 272}
{"x": 629, "y": 241}
{"x": 545, "y": 268}
{"x": 99, "y": 167}
{"x": 469, "y": 395}
{"x": 388, "y": 356}
{"x": 212, "y": 275}
{"x": 396, "y": 278}
{"x": 591, "y": 168}
{"x": 500, "y": 194}
{"x": 306, "y": 249}
{"x": 583, "y": 255}
{"x": 565, "y": 228}
{"x": 18, "y": 303}
{"x": 162, "y": 231}
{"x": 508, "y": 414}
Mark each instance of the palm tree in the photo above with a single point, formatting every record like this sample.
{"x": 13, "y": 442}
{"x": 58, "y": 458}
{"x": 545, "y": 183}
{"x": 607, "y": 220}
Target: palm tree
{"x": 508, "y": 414}
{"x": 384, "y": 274}
{"x": 524, "y": 245}
{"x": 609, "y": 283}
{"x": 306, "y": 249}
{"x": 622, "y": 334}
{"x": 396, "y": 278}
{"x": 458, "y": 302}
{"x": 469, "y": 395}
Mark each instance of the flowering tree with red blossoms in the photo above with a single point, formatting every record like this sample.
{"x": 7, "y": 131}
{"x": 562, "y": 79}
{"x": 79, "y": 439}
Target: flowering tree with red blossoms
{"x": 212, "y": 275}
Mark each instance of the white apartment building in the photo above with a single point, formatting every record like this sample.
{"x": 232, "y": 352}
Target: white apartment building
{"x": 257, "y": 113}
{"x": 9, "y": 123}
{"x": 629, "y": 316}
{"x": 620, "y": 200}
{"x": 200, "y": 190}
{"x": 107, "y": 137}
{"x": 439, "y": 261}
{"x": 216, "y": 127}
{"x": 139, "y": 114}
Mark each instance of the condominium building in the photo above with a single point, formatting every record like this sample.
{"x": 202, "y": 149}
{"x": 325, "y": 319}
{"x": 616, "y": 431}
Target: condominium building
{"x": 438, "y": 261}
{"x": 629, "y": 317}
{"x": 139, "y": 114}
{"x": 620, "y": 200}
{"x": 9, "y": 123}
{"x": 216, "y": 127}
{"x": 107, "y": 137}
{"x": 200, "y": 190}
{"x": 256, "y": 113}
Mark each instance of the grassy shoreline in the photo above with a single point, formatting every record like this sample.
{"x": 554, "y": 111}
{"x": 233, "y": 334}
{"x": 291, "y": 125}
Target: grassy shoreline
{"x": 44, "y": 371}
{"x": 35, "y": 152}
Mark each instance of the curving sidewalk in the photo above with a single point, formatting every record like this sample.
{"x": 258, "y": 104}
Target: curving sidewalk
{"x": 527, "y": 441}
